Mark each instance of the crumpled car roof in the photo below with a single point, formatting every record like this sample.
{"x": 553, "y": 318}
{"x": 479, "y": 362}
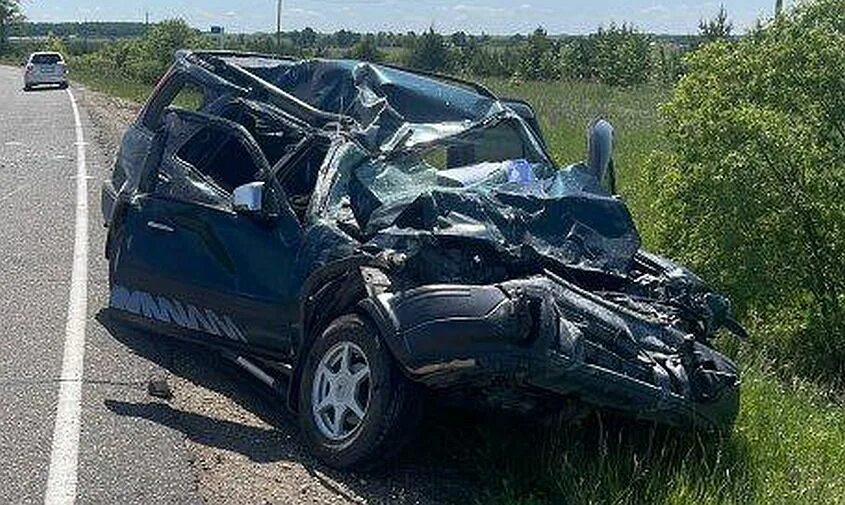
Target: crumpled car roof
{"x": 337, "y": 85}
{"x": 380, "y": 99}
{"x": 562, "y": 215}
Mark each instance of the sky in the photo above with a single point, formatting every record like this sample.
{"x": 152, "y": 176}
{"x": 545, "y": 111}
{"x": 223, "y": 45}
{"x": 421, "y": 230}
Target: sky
{"x": 473, "y": 16}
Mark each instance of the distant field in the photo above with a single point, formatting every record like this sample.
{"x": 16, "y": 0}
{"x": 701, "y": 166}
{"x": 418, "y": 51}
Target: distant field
{"x": 114, "y": 85}
{"x": 788, "y": 446}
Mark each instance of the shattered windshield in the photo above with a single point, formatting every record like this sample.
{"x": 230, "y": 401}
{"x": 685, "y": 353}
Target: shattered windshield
{"x": 490, "y": 184}
{"x": 489, "y": 154}
{"x": 495, "y": 152}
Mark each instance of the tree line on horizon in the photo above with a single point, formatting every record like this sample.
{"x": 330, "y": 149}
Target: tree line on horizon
{"x": 617, "y": 55}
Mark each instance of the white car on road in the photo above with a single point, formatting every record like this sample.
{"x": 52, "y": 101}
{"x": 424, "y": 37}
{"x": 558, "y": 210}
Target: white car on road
{"x": 45, "y": 68}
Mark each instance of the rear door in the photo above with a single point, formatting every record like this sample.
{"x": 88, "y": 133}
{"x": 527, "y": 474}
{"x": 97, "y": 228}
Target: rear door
{"x": 197, "y": 263}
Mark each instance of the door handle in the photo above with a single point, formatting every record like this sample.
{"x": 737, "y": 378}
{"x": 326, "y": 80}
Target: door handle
{"x": 159, "y": 226}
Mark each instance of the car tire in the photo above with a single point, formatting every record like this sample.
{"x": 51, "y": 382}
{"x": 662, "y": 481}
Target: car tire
{"x": 391, "y": 404}
{"x": 63, "y": 85}
{"x": 27, "y": 87}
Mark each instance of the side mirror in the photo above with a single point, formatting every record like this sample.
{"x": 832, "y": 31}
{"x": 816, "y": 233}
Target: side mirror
{"x": 248, "y": 198}
{"x": 600, "y": 153}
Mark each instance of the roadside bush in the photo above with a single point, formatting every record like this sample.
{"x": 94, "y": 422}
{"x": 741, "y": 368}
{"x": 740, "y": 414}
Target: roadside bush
{"x": 146, "y": 59}
{"x": 429, "y": 52}
{"x": 621, "y": 56}
{"x": 751, "y": 191}
{"x": 540, "y": 58}
{"x": 616, "y": 55}
{"x": 56, "y": 45}
{"x": 366, "y": 49}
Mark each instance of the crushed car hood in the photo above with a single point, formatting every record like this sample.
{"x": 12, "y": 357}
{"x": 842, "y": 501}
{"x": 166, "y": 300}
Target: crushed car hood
{"x": 554, "y": 217}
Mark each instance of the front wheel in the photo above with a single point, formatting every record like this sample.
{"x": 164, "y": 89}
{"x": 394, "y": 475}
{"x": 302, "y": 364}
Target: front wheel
{"x": 355, "y": 406}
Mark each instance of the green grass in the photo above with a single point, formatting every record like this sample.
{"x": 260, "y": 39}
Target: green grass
{"x": 122, "y": 87}
{"x": 788, "y": 446}
{"x": 566, "y": 108}
{"x": 111, "y": 84}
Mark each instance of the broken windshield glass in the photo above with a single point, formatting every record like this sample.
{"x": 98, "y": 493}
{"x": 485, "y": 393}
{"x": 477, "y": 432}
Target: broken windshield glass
{"x": 490, "y": 184}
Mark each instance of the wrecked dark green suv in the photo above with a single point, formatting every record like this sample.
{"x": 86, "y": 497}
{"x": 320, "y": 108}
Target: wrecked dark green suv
{"x": 352, "y": 234}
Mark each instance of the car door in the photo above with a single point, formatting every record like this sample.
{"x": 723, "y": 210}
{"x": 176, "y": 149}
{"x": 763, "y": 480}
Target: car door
{"x": 192, "y": 259}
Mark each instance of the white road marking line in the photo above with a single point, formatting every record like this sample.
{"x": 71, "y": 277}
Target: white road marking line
{"x": 14, "y": 191}
{"x": 61, "y": 481}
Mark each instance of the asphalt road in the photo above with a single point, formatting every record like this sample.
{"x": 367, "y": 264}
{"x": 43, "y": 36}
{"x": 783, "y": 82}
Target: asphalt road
{"x": 120, "y": 458}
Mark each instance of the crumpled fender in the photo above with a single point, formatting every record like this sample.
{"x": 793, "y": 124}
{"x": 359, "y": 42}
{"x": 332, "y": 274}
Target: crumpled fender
{"x": 430, "y": 327}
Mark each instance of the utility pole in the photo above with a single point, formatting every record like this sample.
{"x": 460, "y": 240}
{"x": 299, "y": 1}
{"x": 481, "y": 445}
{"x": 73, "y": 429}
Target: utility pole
{"x": 279, "y": 26}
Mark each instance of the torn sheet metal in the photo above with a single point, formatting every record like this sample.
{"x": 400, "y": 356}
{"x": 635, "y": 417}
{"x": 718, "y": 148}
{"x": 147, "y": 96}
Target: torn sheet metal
{"x": 431, "y": 206}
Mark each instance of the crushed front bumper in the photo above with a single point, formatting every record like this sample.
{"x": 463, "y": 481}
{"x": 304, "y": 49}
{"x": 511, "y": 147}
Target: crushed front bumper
{"x": 542, "y": 334}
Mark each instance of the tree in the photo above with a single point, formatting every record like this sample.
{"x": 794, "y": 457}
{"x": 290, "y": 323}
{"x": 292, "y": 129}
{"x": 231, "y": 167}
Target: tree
{"x": 751, "y": 187}
{"x": 487, "y": 62}
{"x": 718, "y": 28}
{"x": 618, "y": 55}
{"x": 145, "y": 59}
{"x": 56, "y": 45}
{"x": 367, "y": 50}
{"x": 430, "y": 53}
{"x": 541, "y": 57}
{"x": 345, "y": 38}
{"x": 164, "y": 39}
{"x": 305, "y": 39}
{"x": 10, "y": 12}
{"x": 459, "y": 39}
